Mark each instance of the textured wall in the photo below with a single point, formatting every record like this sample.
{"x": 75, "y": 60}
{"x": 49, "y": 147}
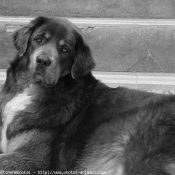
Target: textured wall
{"x": 90, "y": 8}
{"x": 120, "y": 48}
{"x": 133, "y": 48}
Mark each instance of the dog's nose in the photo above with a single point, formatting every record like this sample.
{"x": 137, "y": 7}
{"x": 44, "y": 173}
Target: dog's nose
{"x": 43, "y": 60}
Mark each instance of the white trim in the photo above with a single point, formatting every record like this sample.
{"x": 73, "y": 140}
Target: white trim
{"x": 136, "y": 78}
{"x": 115, "y": 22}
{"x": 97, "y": 21}
{"x": 109, "y": 78}
{"x": 2, "y": 74}
{"x": 156, "y": 80}
{"x": 127, "y": 78}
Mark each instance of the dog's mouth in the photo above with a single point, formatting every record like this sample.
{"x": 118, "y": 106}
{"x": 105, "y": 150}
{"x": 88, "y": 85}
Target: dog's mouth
{"x": 46, "y": 81}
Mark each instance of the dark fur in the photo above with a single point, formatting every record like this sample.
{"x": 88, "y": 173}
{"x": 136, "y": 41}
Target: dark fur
{"x": 97, "y": 128}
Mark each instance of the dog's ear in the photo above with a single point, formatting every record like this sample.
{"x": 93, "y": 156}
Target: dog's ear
{"x": 21, "y": 37}
{"x": 83, "y": 61}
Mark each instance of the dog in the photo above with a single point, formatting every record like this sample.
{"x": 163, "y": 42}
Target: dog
{"x": 56, "y": 116}
{"x": 35, "y": 99}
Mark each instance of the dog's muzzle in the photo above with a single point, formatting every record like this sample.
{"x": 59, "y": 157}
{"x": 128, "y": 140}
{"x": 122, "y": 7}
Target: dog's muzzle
{"x": 43, "y": 61}
{"x": 46, "y": 69}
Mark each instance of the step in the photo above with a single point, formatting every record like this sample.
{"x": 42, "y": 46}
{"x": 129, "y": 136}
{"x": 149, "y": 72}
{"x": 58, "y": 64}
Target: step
{"x": 157, "y": 82}
{"x": 118, "y": 45}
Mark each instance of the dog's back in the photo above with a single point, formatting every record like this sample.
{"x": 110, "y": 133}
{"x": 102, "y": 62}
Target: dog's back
{"x": 140, "y": 140}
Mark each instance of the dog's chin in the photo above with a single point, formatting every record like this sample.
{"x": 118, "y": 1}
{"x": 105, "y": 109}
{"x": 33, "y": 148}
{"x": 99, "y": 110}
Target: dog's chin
{"x": 46, "y": 82}
{"x": 48, "y": 85}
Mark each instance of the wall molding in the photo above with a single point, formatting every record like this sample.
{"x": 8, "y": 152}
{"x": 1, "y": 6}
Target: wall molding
{"x": 127, "y": 78}
{"x": 97, "y": 21}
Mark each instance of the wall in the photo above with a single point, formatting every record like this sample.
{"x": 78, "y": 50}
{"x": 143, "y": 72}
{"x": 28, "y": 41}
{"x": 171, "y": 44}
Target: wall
{"x": 90, "y": 8}
{"x": 119, "y": 48}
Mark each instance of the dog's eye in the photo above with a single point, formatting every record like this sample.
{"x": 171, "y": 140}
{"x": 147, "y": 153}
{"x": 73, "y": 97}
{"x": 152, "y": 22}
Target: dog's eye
{"x": 39, "y": 40}
{"x": 65, "y": 49}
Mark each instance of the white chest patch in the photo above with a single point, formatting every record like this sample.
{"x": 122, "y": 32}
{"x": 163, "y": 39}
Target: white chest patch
{"x": 18, "y": 103}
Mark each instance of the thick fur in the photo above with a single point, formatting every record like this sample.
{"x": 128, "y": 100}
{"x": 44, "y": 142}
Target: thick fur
{"x": 35, "y": 100}
{"x": 67, "y": 120}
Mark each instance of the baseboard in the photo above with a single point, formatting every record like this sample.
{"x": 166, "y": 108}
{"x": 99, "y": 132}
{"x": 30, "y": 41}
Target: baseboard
{"x": 15, "y": 21}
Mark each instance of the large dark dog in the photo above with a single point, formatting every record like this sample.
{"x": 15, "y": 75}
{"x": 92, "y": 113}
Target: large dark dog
{"x": 56, "y": 116}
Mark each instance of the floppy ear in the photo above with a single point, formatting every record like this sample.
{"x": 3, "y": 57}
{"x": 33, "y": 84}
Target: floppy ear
{"x": 83, "y": 61}
{"x": 21, "y": 37}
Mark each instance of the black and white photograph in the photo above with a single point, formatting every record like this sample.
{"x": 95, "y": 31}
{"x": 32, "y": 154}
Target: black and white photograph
{"x": 87, "y": 87}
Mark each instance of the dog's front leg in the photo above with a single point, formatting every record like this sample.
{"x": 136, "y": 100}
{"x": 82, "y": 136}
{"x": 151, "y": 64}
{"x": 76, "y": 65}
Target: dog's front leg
{"x": 29, "y": 151}
{"x": 16, "y": 161}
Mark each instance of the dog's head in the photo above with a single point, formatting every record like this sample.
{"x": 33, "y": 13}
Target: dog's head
{"x": 53, "y": 48}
